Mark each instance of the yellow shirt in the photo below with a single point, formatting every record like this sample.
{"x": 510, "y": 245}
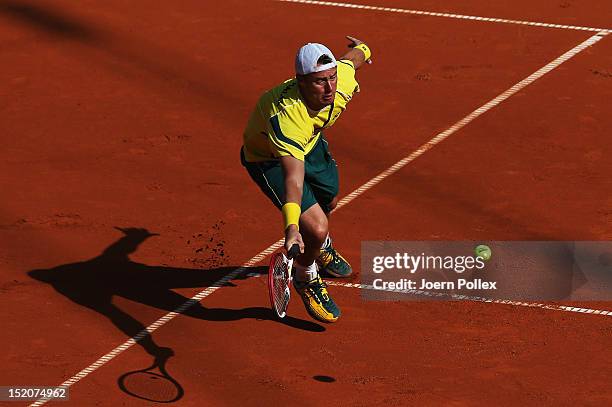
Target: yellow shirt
{"x": 282, "y": 124}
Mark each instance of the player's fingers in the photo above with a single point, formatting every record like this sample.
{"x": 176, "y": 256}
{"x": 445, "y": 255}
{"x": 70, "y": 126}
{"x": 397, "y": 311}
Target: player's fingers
{"x": 289, "y": 243}
{"x": 354, "y": 41}
{"x": 294, "y": 239}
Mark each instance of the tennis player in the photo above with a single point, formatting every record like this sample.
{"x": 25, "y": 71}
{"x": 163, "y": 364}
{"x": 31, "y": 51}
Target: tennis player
{"x": 288, "y": 157}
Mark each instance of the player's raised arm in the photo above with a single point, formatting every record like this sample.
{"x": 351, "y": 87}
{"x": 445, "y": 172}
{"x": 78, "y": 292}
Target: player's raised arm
{"x": 293, "y": 170}
{"x": 359, "y": 52}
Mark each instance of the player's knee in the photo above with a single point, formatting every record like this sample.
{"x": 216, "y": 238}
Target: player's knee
{"x": 314, "y": 225}
{"x": 320, "y": 229}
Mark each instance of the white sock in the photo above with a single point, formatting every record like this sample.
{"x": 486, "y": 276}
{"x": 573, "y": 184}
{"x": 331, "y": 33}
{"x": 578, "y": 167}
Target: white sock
{"x": 327, "y": 242}
{"x": 305, "y": 273}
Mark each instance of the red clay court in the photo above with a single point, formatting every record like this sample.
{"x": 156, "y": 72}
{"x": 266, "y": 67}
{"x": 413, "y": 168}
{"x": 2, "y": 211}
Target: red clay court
{"x": 124, "y": 197}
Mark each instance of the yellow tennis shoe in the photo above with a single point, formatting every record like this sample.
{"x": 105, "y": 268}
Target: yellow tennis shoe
{"x": 333, "y": 263}
{"x": 317, "y": 301}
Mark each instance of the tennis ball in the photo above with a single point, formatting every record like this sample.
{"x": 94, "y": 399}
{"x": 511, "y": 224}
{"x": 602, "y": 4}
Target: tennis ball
{"x": 483, "y": 251}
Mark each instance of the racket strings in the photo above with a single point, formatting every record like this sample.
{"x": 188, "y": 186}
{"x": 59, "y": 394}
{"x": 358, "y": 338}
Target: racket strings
{"x": 281, "y": 284}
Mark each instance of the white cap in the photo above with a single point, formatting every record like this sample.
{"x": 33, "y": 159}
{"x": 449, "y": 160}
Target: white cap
{"x": 307, "y": 57}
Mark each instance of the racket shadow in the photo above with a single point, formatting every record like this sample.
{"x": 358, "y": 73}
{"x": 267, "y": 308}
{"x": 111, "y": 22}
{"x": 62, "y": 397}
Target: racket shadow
{"x": 147, "y": 384}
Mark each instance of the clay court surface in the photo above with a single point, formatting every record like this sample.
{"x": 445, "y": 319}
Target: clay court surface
{"x": 129, "y": 115}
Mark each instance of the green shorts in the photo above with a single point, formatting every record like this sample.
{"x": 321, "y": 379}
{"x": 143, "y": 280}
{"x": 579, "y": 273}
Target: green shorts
{"x": 320, "y": 178}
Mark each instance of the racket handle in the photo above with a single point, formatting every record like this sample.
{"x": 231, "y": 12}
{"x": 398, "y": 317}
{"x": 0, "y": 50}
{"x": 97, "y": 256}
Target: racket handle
{"x": 294, "y": 251}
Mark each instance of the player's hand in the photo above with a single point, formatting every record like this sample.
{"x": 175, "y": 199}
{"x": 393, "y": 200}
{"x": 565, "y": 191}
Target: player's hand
{"x": 293, "y": 236}
{"x": 354, "y": 42}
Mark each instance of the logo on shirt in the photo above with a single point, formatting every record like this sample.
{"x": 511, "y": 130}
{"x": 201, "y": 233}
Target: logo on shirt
{"x": 284, "y": 93}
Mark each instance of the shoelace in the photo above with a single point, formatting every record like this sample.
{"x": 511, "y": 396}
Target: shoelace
{"x": 327, "y": 254}
{"x": 319, "y": 290}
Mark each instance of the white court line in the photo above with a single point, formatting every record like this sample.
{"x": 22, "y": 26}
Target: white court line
{"x": 394, "y": 168}
{"x": 448, "y": 15}
{"x": 470, "y": 117}
{"x": 477, "y": 299}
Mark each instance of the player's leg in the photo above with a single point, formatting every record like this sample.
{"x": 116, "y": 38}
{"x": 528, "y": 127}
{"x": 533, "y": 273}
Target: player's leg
{"x": 322, "y": 176}
{"x": 313, "y": 227}
{"x": 314, "y": 230}
{"x": 306, "y": 280}
{"x": 332, "y": 205}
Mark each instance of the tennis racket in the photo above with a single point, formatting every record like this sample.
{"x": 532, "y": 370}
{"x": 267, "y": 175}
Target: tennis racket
{"x": 279, "y": 279}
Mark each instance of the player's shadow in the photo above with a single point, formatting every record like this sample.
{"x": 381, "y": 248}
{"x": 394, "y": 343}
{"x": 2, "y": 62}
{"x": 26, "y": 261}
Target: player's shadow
{"x": 130, "y": 56}
{"x": 93, "y": 284}
{"x": 47, "y": 20}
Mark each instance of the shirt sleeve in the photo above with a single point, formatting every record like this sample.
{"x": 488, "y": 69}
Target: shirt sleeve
{"x": 288, "y": 136}
{"x": 346, "y": 77}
